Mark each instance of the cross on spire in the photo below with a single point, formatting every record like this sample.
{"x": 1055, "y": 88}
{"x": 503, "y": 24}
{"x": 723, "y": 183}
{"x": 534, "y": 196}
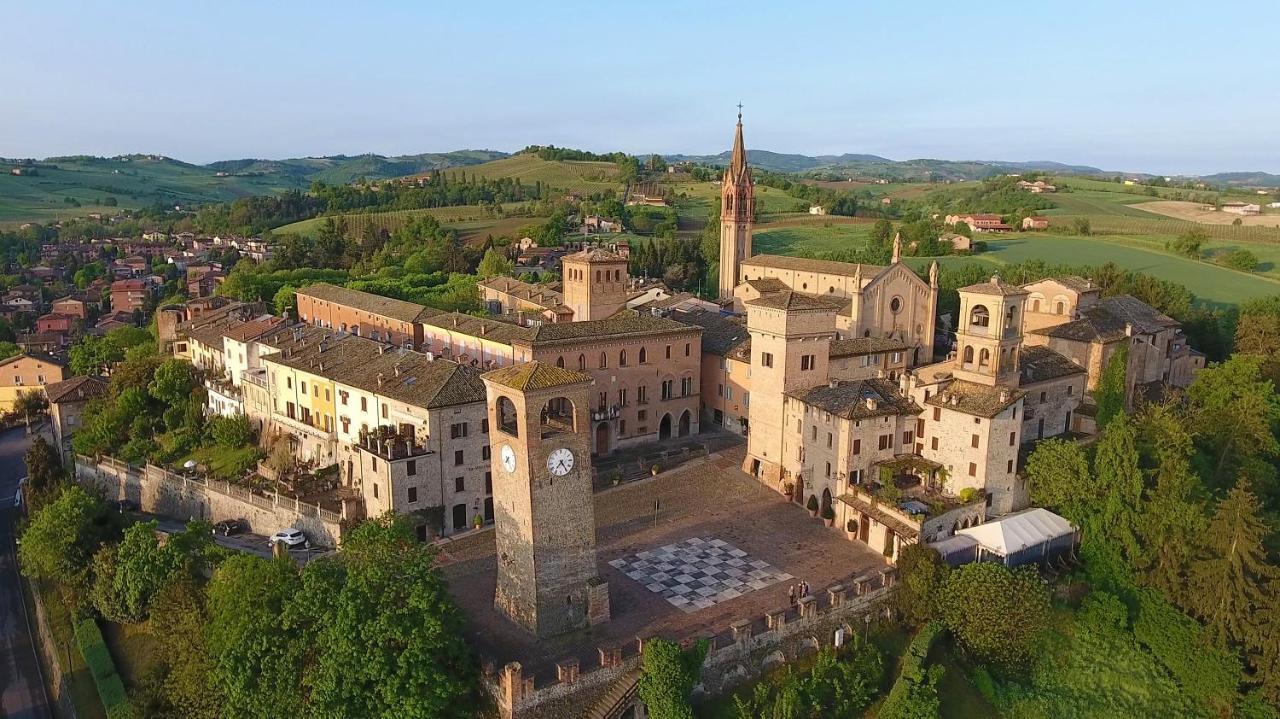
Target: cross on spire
{"x": 739, "y": 112}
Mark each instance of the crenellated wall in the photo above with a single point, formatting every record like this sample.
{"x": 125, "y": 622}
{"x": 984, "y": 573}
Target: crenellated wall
{"x": 737, "y": 653}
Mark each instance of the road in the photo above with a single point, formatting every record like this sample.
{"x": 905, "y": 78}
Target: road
{"x": 248, "y": 542}
{"x": 22, "y": 690}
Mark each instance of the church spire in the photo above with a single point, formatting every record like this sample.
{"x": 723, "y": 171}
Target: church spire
{"x": 739, "y": 161}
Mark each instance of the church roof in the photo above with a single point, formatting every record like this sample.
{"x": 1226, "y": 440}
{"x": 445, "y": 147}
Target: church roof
{"x": 1072, "y": 282}
{"x": 764, "y": 285}
{"x": 807, "y": 264}
{"x": 535, "y": 375}
{"x": 994, "y": 286}
{"x": 858, "y": 346}
{"x": 788, "y": 300}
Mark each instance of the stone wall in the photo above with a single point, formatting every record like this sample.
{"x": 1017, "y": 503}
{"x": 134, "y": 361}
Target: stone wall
{"x": 737, "y": 653}
{"x": 51, "y": 659}
{"x": 166, "y": 494}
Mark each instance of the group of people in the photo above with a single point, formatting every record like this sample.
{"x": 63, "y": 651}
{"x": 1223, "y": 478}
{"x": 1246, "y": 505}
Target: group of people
{"x": 798, "y": 591}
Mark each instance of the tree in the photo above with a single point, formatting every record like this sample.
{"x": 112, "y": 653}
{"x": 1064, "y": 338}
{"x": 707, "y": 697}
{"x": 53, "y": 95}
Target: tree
{"x": 1112, "y": 387}
{"x": 1227, "y": 581}
{"x": 1242, "y": 260}
{"x": 1172, "y": 515}
{"x": 9, "y": 349}
{"x": 234, "y": 431}
{"x": 60, "y": 540}
{"x": 173, "y": 382}
{"x": 29, "y": 404}
{"x": 285, "y": 300}
{"x": 127, "y": 576}
{"x": 1059, "y": 478}
{"x": 1081, "y": 226}
{"x": 494, "y": 263}
{"x": 386, "y": 637}
{"x": 1120, "y": 484}
{"x": 1258, "y": 333}
{"x": 881, "y": 236}
{"x": 1233, "y": 408}
{"x": 1190, "y": 243}
{"x": 669, "y": 676}
{"x": 921, "y": 575}
{"x": 44, "y": 472}
{"x": 178, "y": 621}
{"x": 995, "y": 613}
{"x": 256, "y": 659}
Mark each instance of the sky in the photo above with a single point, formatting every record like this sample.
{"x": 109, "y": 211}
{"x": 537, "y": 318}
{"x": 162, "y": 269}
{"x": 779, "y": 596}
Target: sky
{"x": 1166, "y": 87}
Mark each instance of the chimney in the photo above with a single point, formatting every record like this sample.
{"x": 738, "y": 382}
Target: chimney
{"x": 321, "y": 365}
{"x": 396, "y": 369}
{"x": 872, "y": 404}
{"x": 380, "y": 378}
{"x": 1004, "y": 394}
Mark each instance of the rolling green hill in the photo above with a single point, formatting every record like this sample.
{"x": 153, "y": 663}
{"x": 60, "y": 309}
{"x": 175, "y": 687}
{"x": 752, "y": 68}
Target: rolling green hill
{"x": 62, "y": 187}
{"x": 569, "y": 175}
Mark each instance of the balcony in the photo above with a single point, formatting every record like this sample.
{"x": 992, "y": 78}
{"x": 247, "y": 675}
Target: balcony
{"x": 390, "y": 444}
{"x": 603, "y": 413}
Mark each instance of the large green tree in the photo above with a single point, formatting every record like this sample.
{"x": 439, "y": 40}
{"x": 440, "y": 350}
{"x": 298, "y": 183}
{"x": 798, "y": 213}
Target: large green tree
{"x": 921, "y": 576}
{"x": 669, "y": 676}
{"x": 1227, "y": 581}
{"x": 386, "y": 638}
{"x": 996, "y": 614}
{"x": 1112, "y": 385}
{"x": 129, "y": 575}
{"x": 178, "y": 621}
{"x": 60, "y": 539}
{"x": 1121, "y": 485}
{"x": 1059, "y": 477}
{"x": 1172, "y": 515}
{"x": 1258, "y": 333}
{"x": 44, "y": 472}
{"x": 256, "y": 659}
{"x": 1233, "y": 411}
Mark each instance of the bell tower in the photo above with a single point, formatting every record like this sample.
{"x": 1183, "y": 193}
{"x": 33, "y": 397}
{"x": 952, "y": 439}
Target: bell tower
{"x": 544, "y": 516}
{"x": 989, "y": 332}
{"x": 737, "y": 214}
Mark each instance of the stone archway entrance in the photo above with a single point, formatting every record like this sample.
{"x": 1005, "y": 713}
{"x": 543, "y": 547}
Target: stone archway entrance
{"x": 684, "y": 424}
{"x": 602, "y": 438}
{"x": 664, "y": 427}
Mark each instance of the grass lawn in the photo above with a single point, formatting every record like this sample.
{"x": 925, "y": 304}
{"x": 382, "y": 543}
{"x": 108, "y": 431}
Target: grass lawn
{"x": 84, "y": 694}
{"x": 810, "y": 238}
{"x": 224, "y": 463}
{"x": 959, "y": 698}
{"x": 393, "y": 219}
{"x": 586, "y": 177}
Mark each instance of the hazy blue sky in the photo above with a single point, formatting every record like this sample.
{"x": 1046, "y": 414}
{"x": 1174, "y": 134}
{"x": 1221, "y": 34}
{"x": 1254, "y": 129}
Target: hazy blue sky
{"x": 1136, "y": 85}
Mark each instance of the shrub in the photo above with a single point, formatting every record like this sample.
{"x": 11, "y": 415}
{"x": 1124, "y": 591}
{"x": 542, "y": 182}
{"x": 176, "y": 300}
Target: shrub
{"x": 231, "y": 431}
{"x": 968, "y": 494}
{"x": 915, "y": 693}
{"x": 812, "y": 504}
{"x": 98, "y": 658}
{"x": 828, "y": 513}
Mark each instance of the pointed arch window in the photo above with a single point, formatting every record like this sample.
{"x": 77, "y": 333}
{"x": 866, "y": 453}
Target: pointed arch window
{"x": 582, "y": 362}
{"x": 984, "y": 358}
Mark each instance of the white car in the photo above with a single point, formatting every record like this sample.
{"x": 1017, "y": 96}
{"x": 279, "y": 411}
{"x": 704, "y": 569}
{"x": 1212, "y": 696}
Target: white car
{"x": 291, "y": 538}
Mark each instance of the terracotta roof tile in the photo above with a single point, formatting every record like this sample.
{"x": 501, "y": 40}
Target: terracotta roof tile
{"x": 535, "y": 375}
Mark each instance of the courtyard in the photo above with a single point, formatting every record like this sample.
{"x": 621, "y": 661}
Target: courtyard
{"x": 685, "y": 554}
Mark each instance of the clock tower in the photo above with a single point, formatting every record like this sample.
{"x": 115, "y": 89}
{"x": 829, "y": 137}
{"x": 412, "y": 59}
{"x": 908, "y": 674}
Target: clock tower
{"x": 544, "y": 517}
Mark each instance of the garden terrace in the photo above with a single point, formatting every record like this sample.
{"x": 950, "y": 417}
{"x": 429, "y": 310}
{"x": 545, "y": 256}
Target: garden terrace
{"x": 391, "y": 443}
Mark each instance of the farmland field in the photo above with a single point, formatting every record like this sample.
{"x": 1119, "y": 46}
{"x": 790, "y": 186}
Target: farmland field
{"x": 395, "y": 219}
{"x": 810, "y": 238}
{"x": 1196, "y": 212}
{"x": 565, "y": 175}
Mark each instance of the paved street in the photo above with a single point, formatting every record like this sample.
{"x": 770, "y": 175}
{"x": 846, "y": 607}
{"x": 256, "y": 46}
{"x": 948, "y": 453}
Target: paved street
{"x": 22, "y": 693}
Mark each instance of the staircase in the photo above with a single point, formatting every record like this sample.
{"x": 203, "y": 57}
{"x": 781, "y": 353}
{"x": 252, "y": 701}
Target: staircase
{"x": 618, "y": 698}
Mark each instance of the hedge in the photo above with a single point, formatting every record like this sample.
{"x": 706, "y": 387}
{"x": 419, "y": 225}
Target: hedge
{"x": 905, "y": 698}
{"x": 98, "y": 658}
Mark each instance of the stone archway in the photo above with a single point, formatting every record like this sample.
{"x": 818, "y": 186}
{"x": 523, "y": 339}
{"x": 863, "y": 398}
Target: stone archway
{"x": 684, "y": 424}
{"x": 602, "y": 445}
{"x": 664, "y": 427}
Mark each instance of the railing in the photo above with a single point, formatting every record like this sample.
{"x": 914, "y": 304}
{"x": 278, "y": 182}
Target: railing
{"x": 604, "y": 413}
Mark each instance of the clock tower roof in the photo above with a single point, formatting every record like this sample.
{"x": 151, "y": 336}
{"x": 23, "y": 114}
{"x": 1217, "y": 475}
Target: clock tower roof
{"x": 534, "y": 376}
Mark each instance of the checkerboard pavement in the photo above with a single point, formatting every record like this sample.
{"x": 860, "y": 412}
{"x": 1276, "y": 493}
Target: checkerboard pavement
{"x": 699, "y": 572}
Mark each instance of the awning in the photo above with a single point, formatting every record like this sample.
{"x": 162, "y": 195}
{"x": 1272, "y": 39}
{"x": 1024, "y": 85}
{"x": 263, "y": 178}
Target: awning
{"x": 1019, "y": 531}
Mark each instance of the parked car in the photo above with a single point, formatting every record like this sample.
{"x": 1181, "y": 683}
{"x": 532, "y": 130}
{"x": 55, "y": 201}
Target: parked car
{"x": 126, "y": 505}
{"x": 228, "y": 527}
{"x": 291, "y": 538}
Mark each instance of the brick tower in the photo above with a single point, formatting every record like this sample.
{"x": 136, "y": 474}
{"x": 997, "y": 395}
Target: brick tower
{"x": 543, "y": 513}
{"x": 595, "y": 283}
{"x": 737, "y": 214}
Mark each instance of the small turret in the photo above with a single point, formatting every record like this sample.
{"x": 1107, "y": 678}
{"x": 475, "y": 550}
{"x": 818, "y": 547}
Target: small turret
{"x": 897, "y": 247}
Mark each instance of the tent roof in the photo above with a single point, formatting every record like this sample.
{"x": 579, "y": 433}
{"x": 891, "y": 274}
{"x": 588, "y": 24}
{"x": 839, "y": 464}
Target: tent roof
{"x": 955, "y": 544}
{"x": 1019, "y": 531}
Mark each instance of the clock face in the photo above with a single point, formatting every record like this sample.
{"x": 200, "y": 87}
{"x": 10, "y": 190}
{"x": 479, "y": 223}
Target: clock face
{"x": 508, "y": 458}
{"x": 560, "y": 461}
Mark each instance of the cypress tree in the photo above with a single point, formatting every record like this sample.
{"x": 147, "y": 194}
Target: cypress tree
{"x": 1227, "y": 579}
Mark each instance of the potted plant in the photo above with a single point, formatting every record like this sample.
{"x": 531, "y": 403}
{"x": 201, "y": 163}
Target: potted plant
{"x": 616, "y": 477}
{"x": 789, "y": 489}
{"x": 829, "y": 515}
{"x": 654, "y": 470}
{"x": 851, "y": 529}
{"x": 812, "y": 506}
{"x": 478, "y": 522}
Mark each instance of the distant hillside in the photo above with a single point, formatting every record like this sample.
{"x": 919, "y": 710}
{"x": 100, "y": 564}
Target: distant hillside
{"x": 573, "y": 175}
{"x": 74, "y": 186}
{"x": 1243, "y": 179}
{"x": 881, "y": 167}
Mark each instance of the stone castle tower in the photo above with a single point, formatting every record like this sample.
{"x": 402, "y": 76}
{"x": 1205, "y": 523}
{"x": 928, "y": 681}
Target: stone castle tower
{"x": 595, "y": 283}
{"x": 544, "y": 517}
{"x": 737, "y": 215}
{"x": 989, "y": 332}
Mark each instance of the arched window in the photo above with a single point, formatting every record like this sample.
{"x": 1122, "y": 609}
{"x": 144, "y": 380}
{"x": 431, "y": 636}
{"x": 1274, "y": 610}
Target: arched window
{"x": 984, "y": 358}
{"x": 1059, "y": 308}
{"x": 597, "y": 275}
{"x": 617, "y": 275}
{"x": 728, "y": 202}
{"x": 560, "y": 362}
{"x": 582, "y": 361}
{"x": 644, "y": 356}
{"x": 979, "y": 317}
{"x": 507, "y": 417}
{"x": 1035, "y": 305}
{"x": 604, "y": 361}
{"x": 557, "y": 416}
{"x": 1008, "y": 316}
{"x": 968, "y": 354}
{"x": 622, "y": 358}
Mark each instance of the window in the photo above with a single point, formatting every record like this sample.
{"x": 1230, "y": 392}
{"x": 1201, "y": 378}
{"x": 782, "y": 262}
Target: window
{"x": 488, "y": 482}
{"x": 642, "y": 397}
{"x": 622, "y": 397}
{"x": 364, "y": 404}
{"x": 1013, "y": 438}
{"x": 459, "y": 484}
{"x": 973, "y": 469}
{"x": 343, "y": 396}
{"x": 413, "y": 495}
{"x": 457, "y": 458}
{"x": 728, "y": 392}
{"x": 806, "y": 363}
{"x": 857, "y": 446}
{"x": 560, "y": 362}
{"x": 766, "y": 359}
{"x": 937, "y": 414}
{"x": 457, "y": 430}
{"x": 644, "y": 356}
{"x": 411, "y": 469}
{"x": 979, "y": 317}
{"x": 687, "y": 346}
{"x": 830, "y": 439}
{"x": 686, "y": 386}
{"x": 973, "y": 441}
{"x": 288, "y": 382}
{"x": 303, "y": 385}
{"x": 1043, "y": 395}
{"x": 604, "y": 361}
{"x": 719, "y": 390}
{"x": 886, "y": 441}
{"x": 485, "y": 452}
{"x": 668, "y": 351}
{"x": 582, "y": 362}
{"x": 1009, "y": 466}
{"x": 604, "y": 401}
{"x": 1071, "y": 389}
{"x": 375, "y": 489}
{"x": 622, "y": 358}
{"x": 813, "y": 432}
{"x": 908, "y": 437}
{"x": 828, "y": 469}
{"x": 933, "y": 443}
{"x": 668, "y": 388}
{"x": 484, "y": 426}
{"x": 384, "y": 411}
